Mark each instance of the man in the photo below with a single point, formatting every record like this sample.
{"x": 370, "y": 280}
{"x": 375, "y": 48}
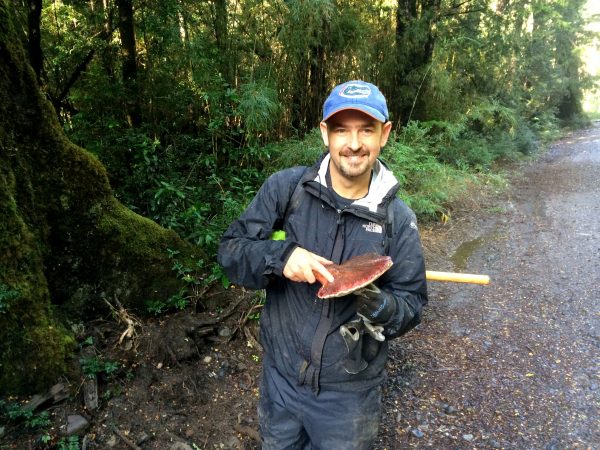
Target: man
{"x": 318, "y": 389}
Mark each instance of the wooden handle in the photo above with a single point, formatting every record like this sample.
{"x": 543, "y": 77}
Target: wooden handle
{"x": 457, "y": 277}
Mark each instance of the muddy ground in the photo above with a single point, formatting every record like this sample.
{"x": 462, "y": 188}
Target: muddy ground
{"x": 511, "y": 365}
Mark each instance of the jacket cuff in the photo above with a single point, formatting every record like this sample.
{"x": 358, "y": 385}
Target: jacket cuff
{"x": 403, "y": 320}
{"x": 285, "y": 255}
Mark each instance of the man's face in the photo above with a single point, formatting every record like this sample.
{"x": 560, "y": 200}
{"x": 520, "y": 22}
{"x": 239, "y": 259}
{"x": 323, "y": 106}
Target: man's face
{"x": 354, "y": 140}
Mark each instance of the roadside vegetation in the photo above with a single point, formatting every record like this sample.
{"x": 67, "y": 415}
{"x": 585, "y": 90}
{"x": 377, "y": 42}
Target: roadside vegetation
{"x": 180, "y": 109}
{"x": 190, "y": 105}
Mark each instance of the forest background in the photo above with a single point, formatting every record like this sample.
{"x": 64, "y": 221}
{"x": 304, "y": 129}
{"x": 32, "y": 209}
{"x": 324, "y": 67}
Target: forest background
{"x": 191, "y": 105}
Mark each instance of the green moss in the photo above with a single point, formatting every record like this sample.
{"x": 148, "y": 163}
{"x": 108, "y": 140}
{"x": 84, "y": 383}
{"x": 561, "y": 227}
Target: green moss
{"x": 35, "y": 356}
{"x": 130, "y": 257}
{"x": 65, "y": 241}
{"x": 34, "y": 344}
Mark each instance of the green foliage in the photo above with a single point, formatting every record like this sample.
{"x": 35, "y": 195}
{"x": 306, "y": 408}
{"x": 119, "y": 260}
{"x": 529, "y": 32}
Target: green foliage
{"x": 296, "y": 152}
{"x": 258, "y": 106}
{"x": 176, "y": 302}
{"x": 87, "y": 342}
{"x": 97, "y": 365}
{"x": 228, "y": 97}
{"x": 38, "y": 421}
{"x": 68, "y": 443}
{"x": 7, "y": 296}
{"x": 427, "y": 184}
{"x": 16, "y": 413}
{"x": 259, "y": 301}
{"x": 70, "y": 33}
{"x": 195, "y": 279}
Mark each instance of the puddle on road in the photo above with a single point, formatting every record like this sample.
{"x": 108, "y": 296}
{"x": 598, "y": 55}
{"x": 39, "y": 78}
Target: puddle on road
{"x": 462, "y": 254}
{"x": 537, "y": 206}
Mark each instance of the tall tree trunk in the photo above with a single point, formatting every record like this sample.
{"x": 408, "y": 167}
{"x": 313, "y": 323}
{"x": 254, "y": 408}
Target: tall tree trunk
{"x": 221, "y": 24}
{"x": 184, "y": 34}
{"x": 414, "y": 51}
{"x": 65, "y": 242}
{"x": 430, "y": 10}
{"x": 108, "y": 57}
{"x": 298, "y": 87}
{"x": 309, "y": 90}
{"x": 36, "y": 58}
{"x": 127, "y": 32}
{"x": 310, "y": 87}
{"x": 317, "y": 86}
{"x": 570, "y": 102}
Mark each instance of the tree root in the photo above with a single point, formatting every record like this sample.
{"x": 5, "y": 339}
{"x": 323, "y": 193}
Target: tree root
{"x": 124, "y": 317}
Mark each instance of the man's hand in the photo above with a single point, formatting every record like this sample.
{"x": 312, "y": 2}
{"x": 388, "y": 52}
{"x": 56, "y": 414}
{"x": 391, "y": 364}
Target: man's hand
{"x": 375, "y": 305}
{"x": 303, "y": 265}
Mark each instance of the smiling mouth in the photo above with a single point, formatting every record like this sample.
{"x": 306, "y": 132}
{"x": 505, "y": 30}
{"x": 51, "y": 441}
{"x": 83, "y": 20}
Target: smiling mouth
{"x": 355, "y": 158}
{"x": 354, "y": 155}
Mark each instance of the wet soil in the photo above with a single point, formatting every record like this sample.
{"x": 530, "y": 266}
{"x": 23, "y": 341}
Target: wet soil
{"x": 511, "y": 365}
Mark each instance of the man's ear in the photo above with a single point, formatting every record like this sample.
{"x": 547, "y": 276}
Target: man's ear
{"x": 324, "y": 135}
{"x": 385, "y": 133}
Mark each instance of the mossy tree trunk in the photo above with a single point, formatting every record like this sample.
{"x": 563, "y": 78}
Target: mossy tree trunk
{"x": 65, "y": 242}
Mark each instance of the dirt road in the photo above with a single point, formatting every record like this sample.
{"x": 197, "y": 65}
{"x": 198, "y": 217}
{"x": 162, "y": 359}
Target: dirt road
{"x": 516, "y": 364}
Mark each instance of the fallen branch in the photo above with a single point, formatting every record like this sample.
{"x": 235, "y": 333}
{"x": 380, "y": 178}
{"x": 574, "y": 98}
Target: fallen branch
{"x": 247, "y": 431}
{"x": 253, "y": 342}
{"x": 125, "y": 439}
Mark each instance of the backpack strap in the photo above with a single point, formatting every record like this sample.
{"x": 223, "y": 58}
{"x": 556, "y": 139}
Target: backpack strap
{"x": 389, "y": 228}
{"x": 293, "y": 200}
{"x": 296, "y": 180}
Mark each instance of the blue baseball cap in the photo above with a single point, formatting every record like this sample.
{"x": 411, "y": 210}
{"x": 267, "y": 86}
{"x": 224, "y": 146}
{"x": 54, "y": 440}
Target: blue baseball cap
{"x": 358, "y": 95}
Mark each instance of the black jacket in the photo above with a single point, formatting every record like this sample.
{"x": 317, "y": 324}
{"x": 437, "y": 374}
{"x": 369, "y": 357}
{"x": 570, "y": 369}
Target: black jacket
{"x": 299, "y": 331}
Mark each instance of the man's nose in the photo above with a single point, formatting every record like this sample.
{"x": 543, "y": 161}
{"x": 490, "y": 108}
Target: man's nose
{"x": 354, "y": 141}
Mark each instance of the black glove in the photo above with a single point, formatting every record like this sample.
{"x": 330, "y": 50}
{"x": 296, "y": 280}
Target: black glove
{"x": 375, "y": 305}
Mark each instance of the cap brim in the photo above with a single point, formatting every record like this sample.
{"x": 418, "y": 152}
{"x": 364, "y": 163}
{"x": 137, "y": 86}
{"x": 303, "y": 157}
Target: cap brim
{"x": 364, "y": 109}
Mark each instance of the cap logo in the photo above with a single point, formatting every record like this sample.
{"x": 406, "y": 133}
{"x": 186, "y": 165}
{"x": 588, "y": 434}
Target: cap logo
{"x": 355, "y": 90}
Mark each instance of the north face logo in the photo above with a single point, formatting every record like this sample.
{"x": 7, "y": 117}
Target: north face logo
{"x": 373, "y": 227}
{"x": 354, "y": 90}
